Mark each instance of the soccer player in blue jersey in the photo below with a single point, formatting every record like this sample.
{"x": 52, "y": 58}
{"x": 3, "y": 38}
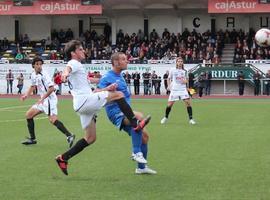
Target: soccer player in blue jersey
{"x": 139, "y": 138}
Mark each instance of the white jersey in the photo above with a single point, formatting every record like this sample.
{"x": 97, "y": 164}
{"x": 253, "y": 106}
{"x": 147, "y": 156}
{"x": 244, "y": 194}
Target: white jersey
{"x": 177, "y": 76}
{"x": 78, "y": 83}
{"x": 43, "y": 82}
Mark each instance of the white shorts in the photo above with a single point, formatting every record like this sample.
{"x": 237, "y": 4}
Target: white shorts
{"x": 49, "y": 107}
{"x": 176, "y": 95}
{"x": 91, "y": 105}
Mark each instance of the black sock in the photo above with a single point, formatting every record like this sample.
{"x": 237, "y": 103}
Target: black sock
{"x": 168, "y": 110}
{"x": 77, "y": 148}
{"x": 61, "y": 127}
{"x": 126, "y": 109}
{"x": 31, "y": 128}
{"x": 189, "y": 110}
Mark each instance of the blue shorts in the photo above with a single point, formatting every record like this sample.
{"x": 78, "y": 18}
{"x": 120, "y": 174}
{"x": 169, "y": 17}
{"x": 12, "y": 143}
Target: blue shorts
{"x": 117, "y": 120}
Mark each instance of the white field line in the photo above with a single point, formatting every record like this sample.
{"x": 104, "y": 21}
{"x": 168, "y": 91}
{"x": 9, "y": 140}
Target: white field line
{"x": 14, "y": 107}
{"x": 20, "y": 120}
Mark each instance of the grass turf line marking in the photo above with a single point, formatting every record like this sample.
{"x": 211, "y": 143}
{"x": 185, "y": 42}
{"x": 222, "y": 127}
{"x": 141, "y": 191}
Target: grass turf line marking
{"x": 14, "y": 107}
{"x": 20, "y": 120}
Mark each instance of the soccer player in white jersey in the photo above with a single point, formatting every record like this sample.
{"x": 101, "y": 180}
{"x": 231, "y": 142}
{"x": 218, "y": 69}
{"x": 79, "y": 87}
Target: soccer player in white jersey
{"x": 87, "y": 104}
{"x": 177, "y": 82}
{"x": 46, "y": 104}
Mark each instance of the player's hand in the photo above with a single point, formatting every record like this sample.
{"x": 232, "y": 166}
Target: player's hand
{"x": 112, "y": 87}
{"x": 40, "y": 101}
{"x": 183, "y": 81}
{"x": 64, "y": 78}
{"x": 23, "y": 97}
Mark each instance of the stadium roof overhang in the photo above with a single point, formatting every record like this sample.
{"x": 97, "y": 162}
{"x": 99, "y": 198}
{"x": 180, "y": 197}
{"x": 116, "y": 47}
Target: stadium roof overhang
{"x": 111, "y": 7}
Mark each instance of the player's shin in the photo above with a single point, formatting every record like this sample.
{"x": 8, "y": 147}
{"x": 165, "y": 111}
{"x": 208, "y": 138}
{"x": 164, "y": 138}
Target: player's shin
{"x": 136, "y": 139}
{"x": 61, "y": 127}
{"x": 77, "y": 148}
{"x": 126, "y": 109}
{"x": 167, "y": 112}
{"x": 189, "y": 110}
{"x": 31, "y": 128}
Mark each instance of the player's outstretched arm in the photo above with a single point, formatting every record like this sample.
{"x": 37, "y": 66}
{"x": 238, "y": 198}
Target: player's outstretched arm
{"x": 50, "y": 90}
{"x": 28, "y": 93}
{"x": 111, "y": 87}
{"x": 94, "y": 80}
{"x": 65, "y": 74}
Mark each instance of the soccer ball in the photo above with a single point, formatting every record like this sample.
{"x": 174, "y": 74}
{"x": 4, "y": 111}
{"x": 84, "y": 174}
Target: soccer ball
{"x": 262, "y": 37}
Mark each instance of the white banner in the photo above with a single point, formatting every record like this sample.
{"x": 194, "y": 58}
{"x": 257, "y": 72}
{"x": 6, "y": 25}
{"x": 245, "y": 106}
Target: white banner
{"x": 26, "y": 70}
{"x": 258, "y": 61}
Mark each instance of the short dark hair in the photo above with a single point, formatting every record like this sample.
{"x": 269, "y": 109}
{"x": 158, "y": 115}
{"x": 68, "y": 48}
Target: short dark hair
{"x": 115, "y": 56}
{"x": 37, "y": 59}
{"x": 71, "y": 47}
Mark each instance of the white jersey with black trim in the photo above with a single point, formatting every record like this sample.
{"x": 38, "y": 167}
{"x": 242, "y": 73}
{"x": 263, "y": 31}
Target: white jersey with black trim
{"x": 43, "y": 81}
{"x": 178, "y": 77}
{"x": 78, "y": 83}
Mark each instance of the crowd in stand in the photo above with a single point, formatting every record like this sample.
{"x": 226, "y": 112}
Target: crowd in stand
{"x": 192, "y": 46}
{"x": 246, "y": 47}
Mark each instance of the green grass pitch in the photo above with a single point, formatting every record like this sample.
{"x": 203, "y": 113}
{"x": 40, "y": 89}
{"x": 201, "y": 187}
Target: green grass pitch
{"x": 225, "y": 156}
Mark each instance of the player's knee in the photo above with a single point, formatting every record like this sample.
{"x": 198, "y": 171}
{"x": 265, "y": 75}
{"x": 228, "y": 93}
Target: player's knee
{"x": 139, "y": 115}
{"x": 145, "y": 138}
{"x": 120, "y": 94}
{"x": 28, "y": 115}
{"x": 90, "y": 139}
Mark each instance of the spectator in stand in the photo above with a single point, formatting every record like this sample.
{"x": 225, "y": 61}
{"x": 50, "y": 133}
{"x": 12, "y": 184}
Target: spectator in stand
{"x": 201, "y": 83}
{"x": 208, "y": 83}
{"x": 241, "y": 82}
{"x": 154, "y": 78}
{"x": 69, "y": 34}
{"x": 237, "y": 58}
{"x": 62, "y": 36}
{"x": 20, "y": 79}
{"x": 136, "y": 81}
{"x": 146, "y": 82}
{"x": 158, "y": 85}
{"x": 140, "y": 35}
{"x": 26, "y": 40}
{"x": 54, "y": 34}
{"x": 47, "y": 43}
{"x": 55, "y": 44}
{"x": 257, "y": 83}
{"x": 5, "y": 44}
{"x": 120, "y": 37}
{"x": 127, "y": 78}
{"x": 267, "y": 83}
{"x": 10, "y": 79}
{"x": 53, "y": 55}
{"x": 153, "y": 35}
{"x": 107, "y": 32}
{"x": 19, "y": 56}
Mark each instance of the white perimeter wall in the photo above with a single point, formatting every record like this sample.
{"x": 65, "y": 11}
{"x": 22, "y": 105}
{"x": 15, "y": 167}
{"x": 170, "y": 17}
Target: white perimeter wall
{"x": 103, "y": 68}
{"x": 39, "y": 27}
{"x": 7, "y": 27}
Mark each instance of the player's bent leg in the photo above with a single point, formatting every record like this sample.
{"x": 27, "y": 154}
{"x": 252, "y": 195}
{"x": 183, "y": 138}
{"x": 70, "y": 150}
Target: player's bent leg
{"x": 89, "y": 138}
{"x": 60, "y": 126}
{"x": 118, "y": 97}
